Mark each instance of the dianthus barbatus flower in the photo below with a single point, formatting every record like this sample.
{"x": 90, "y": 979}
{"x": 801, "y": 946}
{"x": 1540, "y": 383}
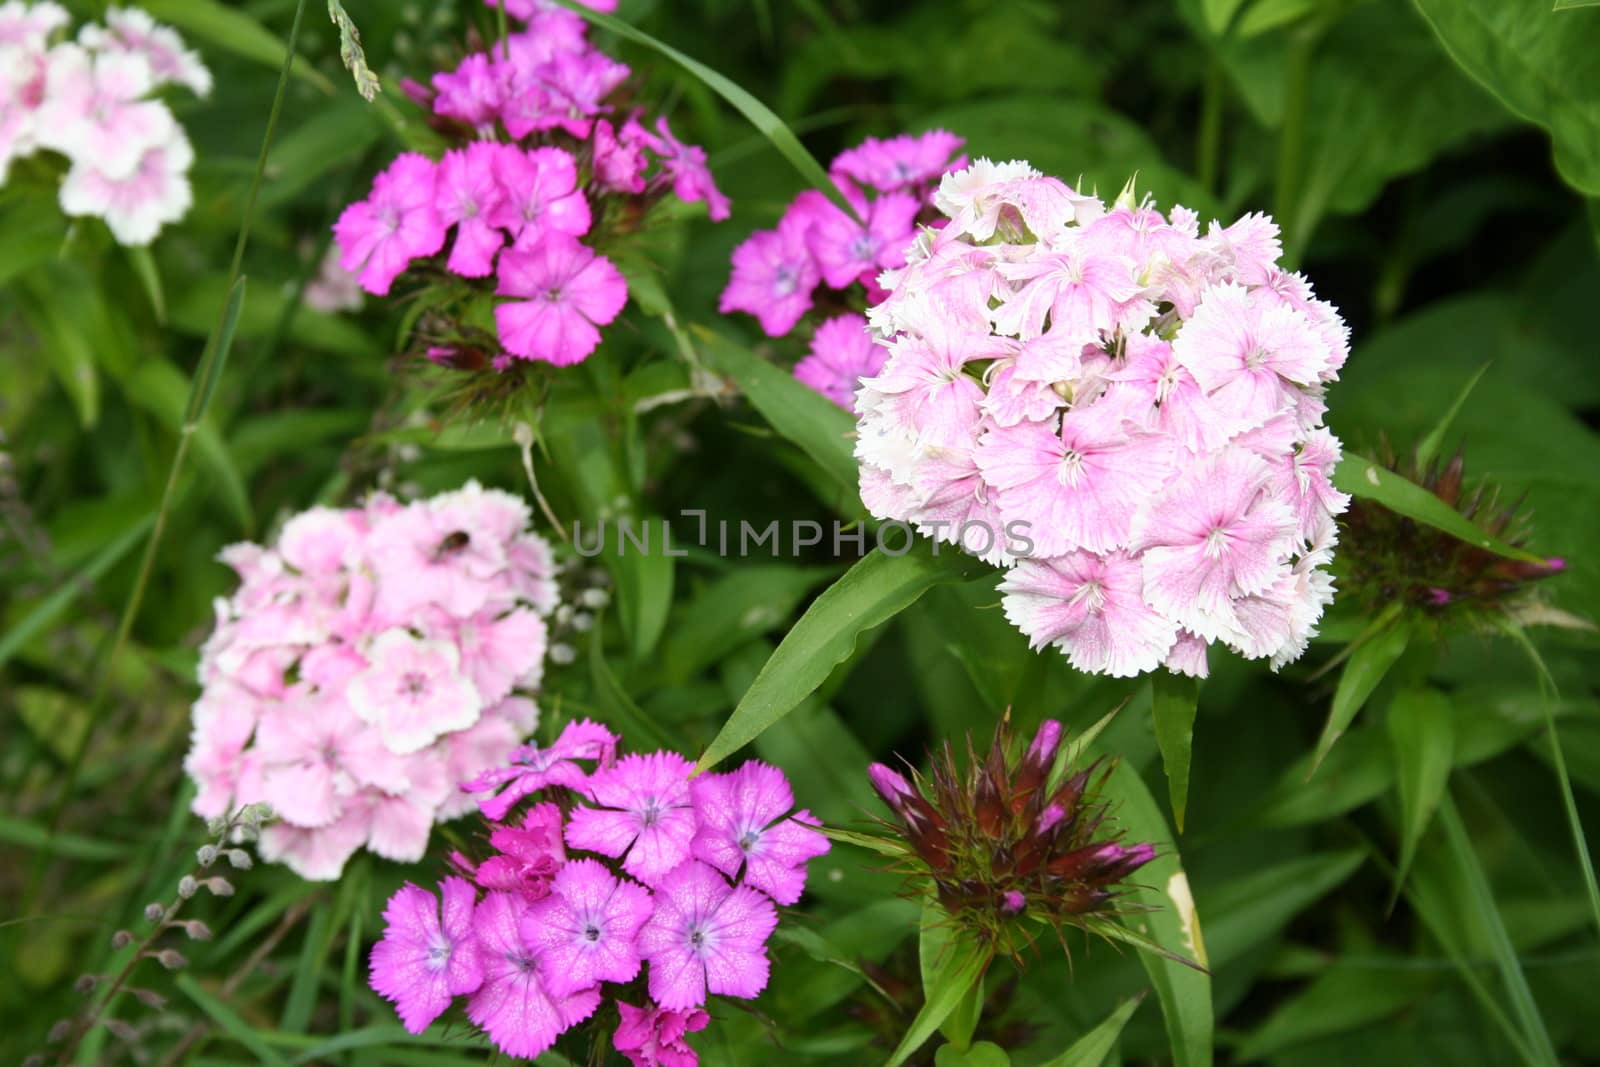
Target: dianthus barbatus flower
{"x": 1138, "y": 406}
{"x": 1003, "y": 846}
{"x": 1386, "y": 558}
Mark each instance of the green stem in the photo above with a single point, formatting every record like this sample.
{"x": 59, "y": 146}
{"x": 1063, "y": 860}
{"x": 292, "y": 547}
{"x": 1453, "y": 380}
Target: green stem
{"x": 1208, "y": 153}
{"x": 201, "y": 390}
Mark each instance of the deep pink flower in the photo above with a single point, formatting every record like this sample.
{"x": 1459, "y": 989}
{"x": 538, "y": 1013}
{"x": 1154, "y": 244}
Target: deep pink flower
{"x": 845, "y": 249}
{"x": 534, "y": 768}
{"x": 527, "y": 857}
{"x": 469, "y": 195}
{"x": 842, "y": 353}
{"x": 397, "y": 223}
{"x": 706, "y": 936}
{"x": 619, "y": 163}
{"x": 685, "y": 164}
{"x": 423, "y": 962}
{"x": 539, "y": 192}
{"x": 475, "y": 91}
{"x": 584, "y": 930}
{"x": 570, "y": 292}
{"x": 645, "y": 814}
{"x": 900, "y": 162}
{"x": 774, "y": 276}
{"x": 520, "y": 1015}
{"x": 564, "y": 91}
{"x": 653, "y": 1036}
{"x": 747, "y": 820}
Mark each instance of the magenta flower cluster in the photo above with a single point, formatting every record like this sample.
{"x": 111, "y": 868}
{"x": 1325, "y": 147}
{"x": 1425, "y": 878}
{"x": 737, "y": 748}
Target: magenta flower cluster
{"x": 776, "y": 273}
{"x": 92, "y": 101}
{"x": 372, "y": 661}
{"x": 541, "y": 157}
{"x": 1132, "y": 406}
{"x": 620, "y": 862}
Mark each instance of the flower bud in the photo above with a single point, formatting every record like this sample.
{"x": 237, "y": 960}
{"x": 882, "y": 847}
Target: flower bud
{"x": 206, "y": 855}
{"x": 59, "y": 1031}
{"x": 170, "y": 958}
{"x": 149, "y": 998}
{"x": 154, "y": 912}
{"x": 122, "y": 1031}
{"x": 219, "y": 886}
{"x": 240, "y": 859}
{"x": 196, "y": 930}
{"x": 85, "y": 984}
{"x": 121, "y": 939}
{"x": 188, "y": 887}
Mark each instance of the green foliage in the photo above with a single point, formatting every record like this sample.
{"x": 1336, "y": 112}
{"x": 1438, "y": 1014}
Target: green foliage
{"x": 1382, "y": 843}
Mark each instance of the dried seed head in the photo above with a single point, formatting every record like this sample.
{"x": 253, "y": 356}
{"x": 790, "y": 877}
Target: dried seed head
{"x": 206, "y": 855}
{"x": 121, "y": 939}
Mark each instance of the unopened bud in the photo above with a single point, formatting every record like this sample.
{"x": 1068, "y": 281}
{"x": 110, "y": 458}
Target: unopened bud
{"x": 195, "y": 929}
{"x": 562, "y": 654}
{"x": 120, "y": 1030}
{"x": 259, "y": 812}
{"x": 86, "y": 983}
{"x": 170, "y": 958}
{"x": 154, "y": 912}
{"x": 150, "y": 998}
{"x": 217, "y": 827}
{"x": 240, "y": 859}
{"x": 188, "y": 887}
{"x": 582, "y": 622}
{"x": 219, "y": 886}
{"x": 121, "y": 939}
{"x": 206, "y": 855}
{"x": 59, "y": 1031}
{"x": 594, "y": 598}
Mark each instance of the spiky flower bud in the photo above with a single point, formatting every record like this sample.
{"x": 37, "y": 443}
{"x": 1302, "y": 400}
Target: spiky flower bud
{"x": 121, "y": 939}
{"x": 1386, "y": 558}
{"x": 998, "y": 845}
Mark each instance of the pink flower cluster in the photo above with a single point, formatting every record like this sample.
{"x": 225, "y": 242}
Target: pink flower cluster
{"x": 372, "y": 661}
{"x": 1132, "y": 406}
{"x": 777, "y": 272}
{"x": 90, "y": 101}
{"x": 620, "y": 862}
{"x": 541, "y": 158}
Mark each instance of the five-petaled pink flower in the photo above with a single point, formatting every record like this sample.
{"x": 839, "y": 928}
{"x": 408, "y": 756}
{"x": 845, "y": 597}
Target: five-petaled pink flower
{"x": 568, "y": 293}
{"x": 423, "y": 962}
{"x": 397, "y": 223}
{"x": 513, "y": 1005}
{"x": 644, "y": 814}
{"x": 706, "y": 936}
{"x": 584, "y": 931}
{"x": 774, "y": 276}
{"x": 533, "y": 768}
{"x": 747, "y": 820}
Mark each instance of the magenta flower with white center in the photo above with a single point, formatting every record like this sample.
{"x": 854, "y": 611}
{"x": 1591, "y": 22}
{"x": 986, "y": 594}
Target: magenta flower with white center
{"x": 842, "y": 353}
{"x": 561, "y": 925}
{"x": 1142, "y": 407}
{"x": 706, "y": 937}
{"x": 399, "y": 222}
{"x": 423, "y": 962}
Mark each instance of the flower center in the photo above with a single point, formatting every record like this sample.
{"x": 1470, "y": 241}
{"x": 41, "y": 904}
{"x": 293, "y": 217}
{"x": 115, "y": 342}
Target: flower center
{"x": 438, "y": 956}
{"x": 1070, "y": 468}
{"x": 591, "y": 933}
{"x": 864, "y": 247}
{"x": 785, "y": 281}
{"x": 749, "y": 839}
{"x": 1216, "y": 542}
{"x": 413, "y": 684}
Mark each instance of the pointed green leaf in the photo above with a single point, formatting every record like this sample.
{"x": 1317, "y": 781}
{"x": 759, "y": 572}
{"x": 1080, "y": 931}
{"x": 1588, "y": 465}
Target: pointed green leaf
{"x": 1422, "y": 733}
{"x": 1170, "y": 927}
{"x": 1092, "y": 1048}
{"x": 149, "y": 275}
{"x": 1254, "y": 908}
{"x": 1218, "y": 13}
{"x": 229, "y": 1022}
{"x": 1429, "y": 446}
{"x": 1339, "y": 1000}
{"x": 982, "y": 1054}
{"x": 822, "y": 429}
{"x": 955, "y": 966}
{"x": 1174, "y": 700}
{"x": 1364, "y": 670}
{"x": 1363, "y": 478}
{"x": 870, "y": 593}
{"x": 883, "y": 846}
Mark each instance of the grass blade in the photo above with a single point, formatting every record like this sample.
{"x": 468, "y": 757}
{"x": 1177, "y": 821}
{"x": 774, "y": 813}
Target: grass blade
{"x": 37, "y": 620}
{"x": 1422, "y": 733}
{"x": 1092, "y": 1048}
{"x": 229, "y": 1022}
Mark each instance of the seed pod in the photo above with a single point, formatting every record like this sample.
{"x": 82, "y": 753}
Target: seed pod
{"x": 170, "y": 958}
{"x": 120, "y": 1030}
{"x": 149, "y": 998}
{"x": 86, "y": 983}
{"x": 219, "y": 886}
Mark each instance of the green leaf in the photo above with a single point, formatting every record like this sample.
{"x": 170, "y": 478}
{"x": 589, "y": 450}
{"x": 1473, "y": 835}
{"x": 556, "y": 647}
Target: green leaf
{"x": 1171, "y": 925}
{"x": 1363, "y": 478}
{"x": 1219, "y": 13}
{"x": 883, "y": 846}
{"x": 1429, "y": 446}
{"x": 938, "y": 938}
{"x": 1540, "y": 66}
{"x": 760, "y": 116}
{"x": 952, "y": 964}
{"x": 1267, "y": 15}
{"x": 744, "y": 604}
{"x": 1362, "y": 673}
{"x": 233, "y": 30}
{"x": 869, "y": 594}
{"x": 1092, "y": 1048}
{"x": 644, "y": 586}
{"x": 1255, "y": 907}
{"x": 70, "y": 357}
{"x": 1341, "y": 999}
{"x": 1174, "y": 700}
{"x": 40, "y": 618}
{"x": 18, "y": 831}
{"x": 981, "y": 1054}
{"x": 1476, "y": 887}
{"x": 1422, "y": 732}
{"x": 229, "y": 1022}
{"x": 160, "y": 388}
{"x": 822, "y": 429}
{"x": 614, "y": 703}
